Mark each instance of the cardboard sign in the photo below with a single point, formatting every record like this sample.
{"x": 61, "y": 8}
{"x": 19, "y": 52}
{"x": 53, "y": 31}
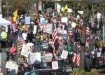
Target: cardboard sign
{"x": 35, "y": 29}
{"x": 62, "y": 32}
{"x": 48, "y": 57}
{"x": 47, "y": 28}
{"x": 64, "y": 19}
{"x": 25, "y": 50}
{"x": 34, "y": 58}
{"x": 64, "y": 54}
{"x": 54, "y": 64}
{"x": 44, "y": 21}
{"x": 27, "y": 20}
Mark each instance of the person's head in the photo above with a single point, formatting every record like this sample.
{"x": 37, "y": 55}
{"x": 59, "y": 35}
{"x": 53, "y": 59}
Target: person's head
{"x": 13, "y": 45}
{"x": 10, "y": 58}
{"x": 57, "y": 52}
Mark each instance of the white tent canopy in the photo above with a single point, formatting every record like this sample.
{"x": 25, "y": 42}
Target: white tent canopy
{"x": 4, "y": 22}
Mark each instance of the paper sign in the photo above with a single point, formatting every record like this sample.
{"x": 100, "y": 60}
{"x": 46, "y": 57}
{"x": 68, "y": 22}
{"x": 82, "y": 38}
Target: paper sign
{"x": 10, "y": 65}
{"x": 62, "y": 32}
{"x": 54, "y": 64}
{"x": 25, "y": 50}
{"x": 44, "y": 21}
{"x": 64, "y": 54}
{"x": 69, "y": 10}
{"x": 47, "y": 28}
{"x": 41, "y": 19}
{"x": 48, "y": 57}
{"x": 27, "y": 20}
{"x": 64, "y": 19}
{"x": 98, "y": 54}
{"x": 34, "y": 58}
{"x": 35, "y": 29}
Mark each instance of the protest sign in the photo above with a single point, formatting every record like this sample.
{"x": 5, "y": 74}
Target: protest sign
{"x": 27, "y": 20}
{"x": 70, "y": 10}
{"x": 44, "y": 21}
{"x": 10, "y": 65}
{"x": 41, "y": 19}
{"x": 64, "y": 19}
{"x": 47, "y": 28}
{"x": 48, "y": 57}
{"x": 54, "y": 64}
{"x": 34, "y": 58}
{"x": 25, "y": 50}
{"x": 35, "y": 29}
{"x": 62, "y": 32}
{"x": 64, "y": 54}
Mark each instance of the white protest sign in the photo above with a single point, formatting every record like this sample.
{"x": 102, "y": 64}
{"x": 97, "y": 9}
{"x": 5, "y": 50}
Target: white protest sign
{"x": 54, "y": 64}
{"x": 25, "y": 50}
{"x": 34, "y": 58}
{"x": 48, "y": 57}
{"x": 98, "y": 54}
{"x": 70, "y": 10}
{"x": 27, "y": 20}
{"x": 10, "y": 65}
{"x": 35, "y": 29}
{"x": 64, "y": 54}
{"x": 64, "y": 19}
{"x": 41, "y": 19}
{"x": 62, "y": 32}
{"x": 47, "y": 28}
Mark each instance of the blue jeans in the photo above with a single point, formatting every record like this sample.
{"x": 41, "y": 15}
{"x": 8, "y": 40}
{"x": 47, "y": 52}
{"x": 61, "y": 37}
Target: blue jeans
{"x": 14, "y": 57}
{"x": 37, "y": 44}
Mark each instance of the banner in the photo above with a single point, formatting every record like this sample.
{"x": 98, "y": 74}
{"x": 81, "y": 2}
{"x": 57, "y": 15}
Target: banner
{"x": 27, "y": 20}
{"x": 48, "y": 57}
{"x": 25, "y": 50}
{"x": 54, "y": 64}
{"x": 47, "y": 28}
{"x": 64, "y": 54}
{"x": 34, "y": 58}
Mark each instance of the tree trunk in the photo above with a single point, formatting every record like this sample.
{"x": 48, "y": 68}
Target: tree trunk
{"x": 83, "y": 38}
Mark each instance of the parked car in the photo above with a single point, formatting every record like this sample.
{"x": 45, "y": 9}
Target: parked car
{"x": 46, "y": 72}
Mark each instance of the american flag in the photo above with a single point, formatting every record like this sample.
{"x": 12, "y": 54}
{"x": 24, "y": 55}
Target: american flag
{"x": 20, "y": 39}
{"x": 54, "y": 37}
{"x": 87, "y": 31}
{"x": 76, "y": 59}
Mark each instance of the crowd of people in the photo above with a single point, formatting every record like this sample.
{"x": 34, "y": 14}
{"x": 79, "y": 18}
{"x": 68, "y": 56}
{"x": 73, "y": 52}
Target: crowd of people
{"x": 21, "y": 35}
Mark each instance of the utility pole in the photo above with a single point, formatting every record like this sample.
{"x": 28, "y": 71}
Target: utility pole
{"x": 0, "y": 6}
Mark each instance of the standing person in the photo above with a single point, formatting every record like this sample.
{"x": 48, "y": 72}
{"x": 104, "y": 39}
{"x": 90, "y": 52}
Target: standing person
{"x": 11, "y": 69}
{"x": 14, "y": 39}
{"x": 37, "y": 42}
{"x": 30, "y": 36}
{"x": 4, "y": 70}
{"x": 13, "y": 51}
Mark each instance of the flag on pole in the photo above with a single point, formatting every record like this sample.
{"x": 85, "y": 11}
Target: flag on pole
{"x": 65, "y": 8}
{"x": 20, "y": 39}
{"x": 54, "y": 37}
{"x": 76, "y": 59}
{"x": 15, "y": 15}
